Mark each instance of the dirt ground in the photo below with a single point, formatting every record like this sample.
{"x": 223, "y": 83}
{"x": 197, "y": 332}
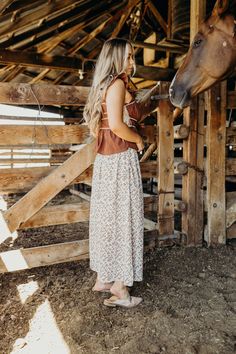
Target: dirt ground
{"x": 189, "y": 303}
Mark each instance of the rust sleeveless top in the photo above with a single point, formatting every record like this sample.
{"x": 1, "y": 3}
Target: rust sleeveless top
{"x": 107, "y": 142}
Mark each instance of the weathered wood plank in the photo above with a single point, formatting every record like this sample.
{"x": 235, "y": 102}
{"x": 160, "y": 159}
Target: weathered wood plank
{"x": 231, "y": 99}
{"x": 50, "y": 186}
{"x": 26, "y": 19}
{"x": 26, "y": 94}
{"x": 58, "y": 215}
{"x": 26, "y": 59}
{"x": 192, "y": 189}
{"x": 192, "y": 192}
{"x": 231, "y": 135}
{"x": 231, "y": 208}
{"x": 165, "y": 166}
{"x": 161, "y": 47}
{"x": 216, "y": 138}
{"x": 231, "y": 231}
{"x": 45, "y": 255}
{"x": 23, "y": 179}
{"x": 43, "y": 135}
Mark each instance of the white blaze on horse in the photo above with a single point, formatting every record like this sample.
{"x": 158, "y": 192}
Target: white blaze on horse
{"x": 211, "y": 57}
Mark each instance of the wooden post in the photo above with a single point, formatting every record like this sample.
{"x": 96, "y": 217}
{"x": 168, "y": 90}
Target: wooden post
{"x": 216, "y": 139}
{"x": 193, "y": 148}
{"x": 192, "y": 192}
{"x": 165, "y": 143}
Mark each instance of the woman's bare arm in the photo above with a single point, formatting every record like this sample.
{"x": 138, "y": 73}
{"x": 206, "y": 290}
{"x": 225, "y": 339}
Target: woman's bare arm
{"x": 115, "y": 104}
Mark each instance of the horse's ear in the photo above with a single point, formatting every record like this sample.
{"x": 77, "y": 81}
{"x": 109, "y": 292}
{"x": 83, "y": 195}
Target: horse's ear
{"x": 220, "y": 7}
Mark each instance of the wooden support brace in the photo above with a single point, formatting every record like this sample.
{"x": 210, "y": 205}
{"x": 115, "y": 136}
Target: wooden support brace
{"x": 50, "y": 186}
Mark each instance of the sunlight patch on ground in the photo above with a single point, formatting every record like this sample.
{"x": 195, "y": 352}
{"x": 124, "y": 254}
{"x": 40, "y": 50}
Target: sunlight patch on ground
{"x": 27, "y": 289}
{"x": 44, "y": 336}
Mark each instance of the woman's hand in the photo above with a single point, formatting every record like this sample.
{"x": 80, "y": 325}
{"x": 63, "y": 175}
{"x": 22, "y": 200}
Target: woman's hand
{"x": 140, "y": 144}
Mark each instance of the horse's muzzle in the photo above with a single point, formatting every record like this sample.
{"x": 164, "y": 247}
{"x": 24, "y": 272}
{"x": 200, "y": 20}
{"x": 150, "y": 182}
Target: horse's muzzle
{"x": 179, "y": 97}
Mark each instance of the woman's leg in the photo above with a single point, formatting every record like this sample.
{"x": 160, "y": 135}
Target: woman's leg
{"x": 120, "y": 290}
{"x": 100, "y": 286}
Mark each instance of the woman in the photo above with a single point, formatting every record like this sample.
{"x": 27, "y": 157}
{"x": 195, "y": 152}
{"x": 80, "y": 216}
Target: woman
{"x": 116, "y": 209}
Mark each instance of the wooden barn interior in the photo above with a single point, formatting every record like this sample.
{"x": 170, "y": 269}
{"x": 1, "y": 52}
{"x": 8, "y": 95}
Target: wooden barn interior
{"x": 48, "y": 50}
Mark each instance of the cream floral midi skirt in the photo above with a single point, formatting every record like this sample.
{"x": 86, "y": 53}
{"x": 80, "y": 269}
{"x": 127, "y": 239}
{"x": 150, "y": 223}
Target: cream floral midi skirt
{"x": 116, "y": 218}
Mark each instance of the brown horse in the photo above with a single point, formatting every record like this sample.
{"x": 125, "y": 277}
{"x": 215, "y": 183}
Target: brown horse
{"x": 211, "y": 57}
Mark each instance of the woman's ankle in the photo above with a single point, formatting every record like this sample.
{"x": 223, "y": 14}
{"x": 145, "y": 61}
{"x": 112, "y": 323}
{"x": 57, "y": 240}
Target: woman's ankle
{"x": 119, "y": 290}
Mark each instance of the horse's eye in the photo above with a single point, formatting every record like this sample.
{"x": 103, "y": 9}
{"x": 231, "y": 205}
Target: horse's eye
{"x": 197, "y": 43}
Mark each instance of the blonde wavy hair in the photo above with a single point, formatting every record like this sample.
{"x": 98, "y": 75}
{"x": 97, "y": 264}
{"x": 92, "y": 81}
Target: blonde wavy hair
{"x": 111, "y": 62}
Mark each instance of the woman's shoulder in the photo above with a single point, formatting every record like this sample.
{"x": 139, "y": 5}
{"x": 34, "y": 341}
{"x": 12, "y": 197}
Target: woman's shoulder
{"x": 120, "y": 77}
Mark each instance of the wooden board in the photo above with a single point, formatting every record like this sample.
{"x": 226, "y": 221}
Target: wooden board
{"x": 36, "y": 94}
{"x": 58, "y": 215}
{"x": 43, "y": 135}
{"x": 24, "y": 179}
{"x": 45, "y": 255}
{"x": 50, "y": 186}
{"x": 231, "y": 99}
{"x": 216, "y": 138}
{"x": 165, "y": 166}
{"x": 192, "y": 188}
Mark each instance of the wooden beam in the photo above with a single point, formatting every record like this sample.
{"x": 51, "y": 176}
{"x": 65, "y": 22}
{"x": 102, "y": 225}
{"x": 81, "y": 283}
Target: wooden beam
{"x": 193, "y": 152}
{"x": 23, "y": 179}
{"x": 11, "y": 93}
{"x": 192, "y": 191}
{"x": 43, "y": 135}
{"x": 157, "y": 15}
{"x": 58, "y": 215}
{"x": 161, "y": 47}
{"x": 72, "y": 64}
{"x": 62, "y": 33}
{"x": 231, "y": 135}
{"x": 231, "y": 99}
{"x": 165, "y": 166}
{"x": 123, "y": 17}
{"x": 35, "y": 18}
{"x": 44, "y": 255}
{"x": 50, "y": 186}
{"x": 216, "y": 138}
{"x": 231, "y": 208}
{"x": 231, "y": 231}
{"x": 28, "y": 59}
{"x": 4, "y": 5}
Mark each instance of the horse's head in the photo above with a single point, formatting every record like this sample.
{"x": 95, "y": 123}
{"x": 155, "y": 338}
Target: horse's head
{"x": 211, "y": 57}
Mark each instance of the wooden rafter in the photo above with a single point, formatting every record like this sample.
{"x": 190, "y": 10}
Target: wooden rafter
{"x": 91, "y": 36}
{"x": 124, "y": 17}
{"x": 161, "y": 47}
{"x": 17, "y": 6}
{"x": 48, "y": 45}
{"x": 38, "y": 17}
{"x": 38, "y": 60}
{"x": 157, "y": 15}
{"x": 5, "y": 4}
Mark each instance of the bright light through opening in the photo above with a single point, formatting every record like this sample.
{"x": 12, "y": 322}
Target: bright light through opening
{"x": 27, "y": 290}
